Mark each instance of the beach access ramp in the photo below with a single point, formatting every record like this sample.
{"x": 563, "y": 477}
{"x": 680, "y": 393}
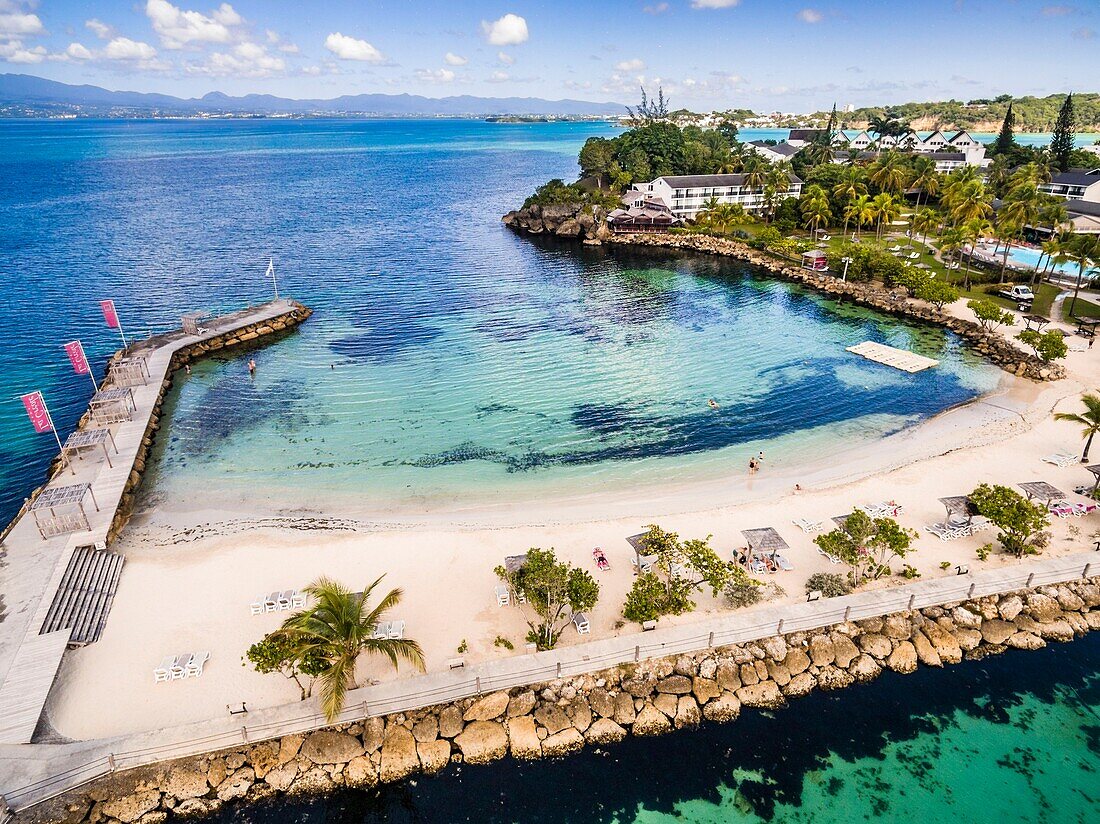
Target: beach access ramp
{"x": 890, "y": 356}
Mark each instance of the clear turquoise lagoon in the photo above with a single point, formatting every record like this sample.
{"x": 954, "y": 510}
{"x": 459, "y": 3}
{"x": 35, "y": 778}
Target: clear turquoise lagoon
{"x": 449, "y": 361}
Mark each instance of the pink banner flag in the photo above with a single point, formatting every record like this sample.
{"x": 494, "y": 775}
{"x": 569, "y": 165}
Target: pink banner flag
{"x": 37, "y": 412}
{"x": 76, "y": 357}
{"x": 109, "y": 313}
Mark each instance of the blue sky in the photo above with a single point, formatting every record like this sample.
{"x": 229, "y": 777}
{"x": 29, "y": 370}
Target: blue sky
{"x": 761, "y": 54}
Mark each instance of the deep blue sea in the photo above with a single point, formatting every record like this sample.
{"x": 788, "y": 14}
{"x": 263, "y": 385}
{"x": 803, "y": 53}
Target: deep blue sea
{"x": 451, "y": 358}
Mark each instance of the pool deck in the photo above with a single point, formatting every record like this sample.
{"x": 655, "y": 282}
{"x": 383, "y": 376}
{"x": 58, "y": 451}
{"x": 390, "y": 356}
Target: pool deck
{"x": 33, "y": 567}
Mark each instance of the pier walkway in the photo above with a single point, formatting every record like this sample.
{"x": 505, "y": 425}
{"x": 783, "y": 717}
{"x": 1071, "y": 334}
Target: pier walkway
{"x": 33, "y": 567}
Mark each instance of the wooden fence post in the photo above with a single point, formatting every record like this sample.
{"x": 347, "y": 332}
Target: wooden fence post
{"x": 912, "y": 601}
{"x": 847, "y": 613}
{"x": 244, "y": 733}
{"x": 477, "y": 684}
{"x": 970, "y": 592}
{"x": 1030, "y": 578}
{"x": 779, "y": 627}
{"x": 710, "y": 641}
{"x": 637, "y": 654}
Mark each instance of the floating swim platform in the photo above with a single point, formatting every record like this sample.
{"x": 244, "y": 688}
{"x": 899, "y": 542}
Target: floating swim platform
{"x": 889, "y": 356}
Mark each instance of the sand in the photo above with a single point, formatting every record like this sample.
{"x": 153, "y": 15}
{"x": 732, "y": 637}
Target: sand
{"x": 191, "y": 573}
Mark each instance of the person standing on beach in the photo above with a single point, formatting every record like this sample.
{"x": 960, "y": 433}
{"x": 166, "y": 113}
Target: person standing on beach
{"x": 752, "y": 466}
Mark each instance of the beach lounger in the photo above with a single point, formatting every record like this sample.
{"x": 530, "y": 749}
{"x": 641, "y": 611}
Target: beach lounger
{"x": 164, "y": 671}
{"x": 832, "y": 559}
{"x": 580, "y": 621}
{"x": 782, "y": 562}
{"x": 298, "y": 599}
{"x": 257, "y": 606}
{"x": 1061, "y": 459}
{"x": 807, "y": 526}
{"x": 179, "y": 667}
{"x": 381, "y": 630}
{"x": 601, "y": 560}
{"x": 282, "y": 600}
{"x": 396, "y": 630}
{"x": 1061, "y": 509}
{"x": 271, "y": 602}
{"x": 503, "y": 596}
{"x": 198, "y": 660}
{"x": 826, "y": 237}
{"x": 913, "y": 255}
{"x": 757, "y": 566}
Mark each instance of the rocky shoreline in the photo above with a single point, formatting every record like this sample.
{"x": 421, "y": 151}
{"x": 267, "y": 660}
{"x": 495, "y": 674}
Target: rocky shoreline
{"x": 564, "y": 221}
{"x": 561, "y": 717}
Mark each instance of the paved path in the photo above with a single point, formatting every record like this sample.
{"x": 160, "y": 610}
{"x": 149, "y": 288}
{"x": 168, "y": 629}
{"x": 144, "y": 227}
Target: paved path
{"x": 35, "y": 772}
{"x": 32, "y": 567}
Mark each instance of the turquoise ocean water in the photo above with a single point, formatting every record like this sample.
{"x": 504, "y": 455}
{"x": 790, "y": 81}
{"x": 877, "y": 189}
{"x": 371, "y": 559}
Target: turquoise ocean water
{"x": 449, "y": 360}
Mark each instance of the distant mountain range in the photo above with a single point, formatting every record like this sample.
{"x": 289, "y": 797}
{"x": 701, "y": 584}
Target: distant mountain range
{"x": 23, "y": 95}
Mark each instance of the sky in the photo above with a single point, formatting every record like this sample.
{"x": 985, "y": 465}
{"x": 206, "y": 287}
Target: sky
{"x": 766, "y": 55}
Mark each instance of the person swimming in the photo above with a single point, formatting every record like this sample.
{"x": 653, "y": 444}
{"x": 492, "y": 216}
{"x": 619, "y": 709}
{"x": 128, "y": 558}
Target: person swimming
{"x": 712, "y": 403}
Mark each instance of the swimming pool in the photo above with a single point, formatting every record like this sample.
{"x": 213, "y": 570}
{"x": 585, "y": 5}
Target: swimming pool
{"x": 1030, "y": 257}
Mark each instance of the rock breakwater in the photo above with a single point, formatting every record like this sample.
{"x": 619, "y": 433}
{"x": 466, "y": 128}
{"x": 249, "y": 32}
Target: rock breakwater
{"x": 560, "y": 717}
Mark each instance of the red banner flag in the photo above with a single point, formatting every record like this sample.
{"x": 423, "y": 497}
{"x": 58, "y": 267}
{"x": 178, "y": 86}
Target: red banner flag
{"x": 77, "y": 357}
{"x": 109, "y": 313}
{"x": 37, "y": 412}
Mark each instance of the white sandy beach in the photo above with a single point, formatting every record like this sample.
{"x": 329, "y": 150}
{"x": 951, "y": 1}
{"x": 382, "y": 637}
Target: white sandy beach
{"x": 191, "y": 573}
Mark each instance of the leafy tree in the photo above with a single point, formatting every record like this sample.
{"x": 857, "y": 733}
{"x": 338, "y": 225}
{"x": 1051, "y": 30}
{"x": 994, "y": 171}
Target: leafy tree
{"x": 1089, "y": 421}
{"x": 336, "y": 629}
{"x": 1082, "y": 250}
{"x": 649, "y": 111}
{"x": 648, "y": 600}
{"x": 1020, "y": 522}
{"x": 1047, "y": 346}
{"x": 742, "y": 590}
{"x": 278, "y": 652}
{"x": 596, "y": 157}
{"x": 1065, "y": 129}
{"x": 867, "y": 544}
{"x": 829, "y": 584}
{"x": 554, "y": 591}
{"x": 1006, "y": 140}
{"x": 660, "y": 143}
{"x": 937, "y": 292}
{"x": 990, "y": 315}
{"x": 912, "y": 279}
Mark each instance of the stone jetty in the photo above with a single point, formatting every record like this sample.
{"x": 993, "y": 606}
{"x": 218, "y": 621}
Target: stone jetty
{"x": 563, "y": 716}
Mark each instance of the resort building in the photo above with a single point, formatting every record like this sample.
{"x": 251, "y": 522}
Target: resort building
{"x": 641, "y": 212}
{"x": 934, "y": 143}
{"x": 1076, "y": 184}
{"x": 1084, "y": 217}
{"x": 774, "y": 153}
{"x": 687, "y": 194}
{"x": 945, "y": 161}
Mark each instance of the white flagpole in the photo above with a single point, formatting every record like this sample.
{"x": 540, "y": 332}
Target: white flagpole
{"x": 49, "y": 417}
{"x": 88, "y": 365}
{"x": 271, "y": 272}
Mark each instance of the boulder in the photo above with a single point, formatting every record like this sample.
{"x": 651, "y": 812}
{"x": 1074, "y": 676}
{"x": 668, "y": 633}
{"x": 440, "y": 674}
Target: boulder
{"x": 283, "y": 776}
{"x": 749, "y": 676}
{"x": 289, "y": 746}
{"x": 666, "y": 703}
{"x": 796, "y": 661}
{"x": 521, "y": 703}
{"x": 684, "y": 665}
{"x": 234, "y": 761}
{"x": 705, "y": 689}
{"x": 580, "y": 714}
{"x": 1043, "y": 608}
{"x": 877, "y": 646}
{"x": 313, "y": 782}
{"x": 563, "y": 743}
{"x": 185, "y": 782}
{"x": 944, "y": 643}
{"x": 399, "y": 757}
{"x": 569, "y": 228}
{"x": 1068, "y": 599}
{"x": 800, "y": 685}
{"x": 897, "y": 627}
{"x": 604, "y": 731}
{"x": 845, "y": 650}
{"x": 197, "y": 808}
{"x": 765, "y": 695}
{"x": 601, "y": 702}
{"x": 1056, "y": 630}
{"x": 640, "y": 685}
{"x": 329, "y": 747}
{"x": 1025, "y": 640}
{"x": 865, "y": 668}
{"x": 651, "y": 721}
{"x": 968, "y": 639}
{"x": 450, "y": 722}
{"x": 374, "y": 730}
{"x": 822, "y": 651}
{"x": 725, "y": 707}
{"x": 216, "y": 772}
{"x": 426, "y": 729}
{"x": 434, "y": 755}
{"x": 1010, "y": 606}
{"x": 926, "y": 653}
{"x": 728, "y": 675}
{"x": 236, "y": 785}
{"x": 523, "y": 738}
{"x": 263, "y": 758}
{"x": 360, "y": 772}
{"x": 488, "y": 707}
{"x": 996, "y": 631}
{"x": 552, "y": 717}
{"x": 482, "y": 742}
{"x": 834, "y": 678}
{"x": 130, "y": 808}
{"x": 963, "y": 617}
{"x": 675, "y": 685}
{"x": 687, "y": 713}
{"x": 624, "y": 709}
{"x": 1092, "y": 620}
{"x": 775, "y": 647}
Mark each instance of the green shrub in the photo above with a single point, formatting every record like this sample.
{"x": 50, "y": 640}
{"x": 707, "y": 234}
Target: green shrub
{"x": 829, "y": 584}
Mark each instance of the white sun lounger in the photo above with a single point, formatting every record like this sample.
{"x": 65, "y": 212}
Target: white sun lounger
{"x": 782, "y": 562}
{"x": 397, "y": 630}
{"x": 257, "y": 606}
{"x": 282, "y": 599}
{"x": 832, "y": 559}
{"x": 807, "y": 526}
{"x": 580, "y": 621}
{"x": 503, "y": 596}
{"x": 297, "y": 599}
{"x": 164, "y": 671}
{"x": 198, "y": 660}
{"x": 382, "y": 630}
{"x": 271, "y": 602}
{"x": 179, "y": 667}
{"x": 1061, "y": 459}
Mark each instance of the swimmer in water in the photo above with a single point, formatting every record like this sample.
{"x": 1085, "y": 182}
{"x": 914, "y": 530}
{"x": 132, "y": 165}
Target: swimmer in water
{"x": 712, "y": 403}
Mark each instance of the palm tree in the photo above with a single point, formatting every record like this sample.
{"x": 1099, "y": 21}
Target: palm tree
{"x": 924, "y": 221}
{"x": 848, "y": 188}
{"x": 1089, "y": 421}
{"x": 970, "y": 202}
{"x": 951, "y": 241}
{"x": 1082, "y": 250}
{"x": 925, "y": 178}
{"x": 886, "y": 209}
{"x": 337, "y": 628}
{"x": 1000, "y": 170}
{"x": 777, "y": 183}
{"x": 973, "y": 229}
{"x": 888, "y": 173}
{"x": 861, "y": 212}
{"x": 815, "y": 208}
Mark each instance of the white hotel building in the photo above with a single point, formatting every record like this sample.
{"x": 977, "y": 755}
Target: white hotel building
{"x": 686, "y": 195}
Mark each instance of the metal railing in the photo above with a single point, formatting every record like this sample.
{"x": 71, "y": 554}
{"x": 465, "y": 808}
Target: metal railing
{"x": 571, "y": 661}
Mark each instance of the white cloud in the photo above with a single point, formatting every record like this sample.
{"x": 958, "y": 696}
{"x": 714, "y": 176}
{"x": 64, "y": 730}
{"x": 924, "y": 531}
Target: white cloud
{"x": 13, "y": 51}
{"x": 123, "y": 48}
{"x": 634, "y": 65}
{"x": 99, "y": 29}
{"x": 505, "y": 58}
{"x": 349, "y": 48}
{"x": 810, "y": 16}
{"x": 499, "y": 77}
{"x": 312, "y": 71}
{"x": 284, "y": 46}
{"x": 18, "y": 23}
{"x": 246, "y": 60}
{"x": 178, "y": 28}
{"x": 656, "y": 8}
{"x": 436, "y": 76}
{"x": 452, "y": 59}
{"x": 509, "y": 30}
{"x": 77, "y": 51}
{"x": 714, "y": 4}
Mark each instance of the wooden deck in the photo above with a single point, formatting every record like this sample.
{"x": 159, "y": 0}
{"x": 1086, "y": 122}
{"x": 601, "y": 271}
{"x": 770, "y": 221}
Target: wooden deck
{"x": 889, "y": 356}
{"x": 84, "y": 597}
{"x": 28, "y": 684}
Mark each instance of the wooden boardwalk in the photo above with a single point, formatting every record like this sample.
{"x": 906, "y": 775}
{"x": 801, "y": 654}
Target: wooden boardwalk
{"x": 33, "y": 568}
{"x": 889, "y": 356}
